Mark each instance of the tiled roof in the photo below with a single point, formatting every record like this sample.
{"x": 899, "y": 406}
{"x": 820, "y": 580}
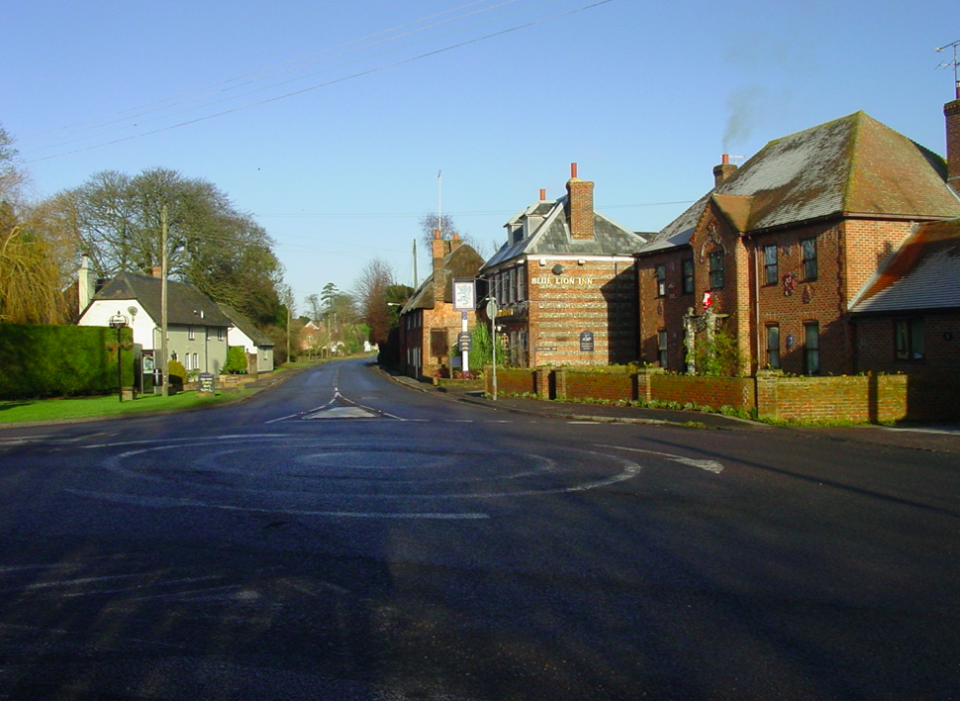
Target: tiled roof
{"x": 854, "y": 166}
{"x": 186, "y": 305}
{"x": 924, "y": 273}
{"x": 552, "y": 237}
{"x": 462, "y": 262}
{"x": 246, "y": 326}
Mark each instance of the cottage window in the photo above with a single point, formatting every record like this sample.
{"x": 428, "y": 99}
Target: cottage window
{"x": 191, "y": 334}
{"x": 687, "y": 266}
{"x": 220, "y": 333}
{"x": 808, "y": 248}
{"x": 521, "y": 284}
{"x": 661, "y": 274}
{"x": 662, "y": 347}
{"x": 716, "y": 270}
{"x": 196, "y": 362}
{"x": 773, "y": 347}
{"x": 811, "y": 348}
{"x": 909, "y": 339}
{"x": 770, "y": 264}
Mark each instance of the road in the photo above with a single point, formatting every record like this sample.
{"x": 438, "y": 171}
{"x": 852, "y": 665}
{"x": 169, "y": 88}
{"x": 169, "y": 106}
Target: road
{"x": 340, "y": 537}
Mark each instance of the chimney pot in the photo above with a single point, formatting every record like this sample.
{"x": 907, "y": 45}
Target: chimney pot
{"x": 543, "y": 194}
{"x": 436, "y": 233}
{"x": 573, "y": 170}
{"x": 724, "y": 170}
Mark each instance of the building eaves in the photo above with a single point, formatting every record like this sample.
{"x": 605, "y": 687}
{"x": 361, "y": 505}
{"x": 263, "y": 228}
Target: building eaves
{"x": 922, "y": 274}
{"x": 246, "y": 326}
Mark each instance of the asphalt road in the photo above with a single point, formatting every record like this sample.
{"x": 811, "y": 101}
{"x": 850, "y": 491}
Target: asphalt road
{"x": 343, "y": 538}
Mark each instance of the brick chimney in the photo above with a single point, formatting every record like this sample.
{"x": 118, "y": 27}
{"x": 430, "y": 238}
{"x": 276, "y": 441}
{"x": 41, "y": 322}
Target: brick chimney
{"x": 579, "y": 206}
{"x": 440, "y": 250}
{"x": 157, "y": 271}
{"x": 951, "y": 111}
{"x": 723, "y": 171}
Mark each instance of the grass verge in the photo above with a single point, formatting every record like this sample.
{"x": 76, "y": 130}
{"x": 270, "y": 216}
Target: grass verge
{"x": 19, "y": 411}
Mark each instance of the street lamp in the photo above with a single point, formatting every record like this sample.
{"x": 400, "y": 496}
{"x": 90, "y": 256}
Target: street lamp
{"x": 119, "y": 321}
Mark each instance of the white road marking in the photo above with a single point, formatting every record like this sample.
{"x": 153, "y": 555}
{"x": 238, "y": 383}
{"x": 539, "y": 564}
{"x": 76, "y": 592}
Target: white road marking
{"x": 708, "y": 465}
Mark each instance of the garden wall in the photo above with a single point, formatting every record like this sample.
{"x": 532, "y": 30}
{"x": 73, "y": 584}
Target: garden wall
{"x": 856, "y": 399}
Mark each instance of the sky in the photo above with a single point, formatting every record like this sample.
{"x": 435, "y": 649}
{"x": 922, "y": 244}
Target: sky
{"x": 338, "y": 125}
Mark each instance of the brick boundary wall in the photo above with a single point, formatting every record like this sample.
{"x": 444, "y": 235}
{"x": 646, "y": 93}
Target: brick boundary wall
{"x": 854, "y": 399}
{"x": 857, "y": 399}
{"x": 613, "y": 387}
{"x": 715, "y": 392}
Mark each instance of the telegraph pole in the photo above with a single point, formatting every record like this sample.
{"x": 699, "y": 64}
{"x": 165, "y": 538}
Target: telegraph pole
{"x": 164, "y": 354}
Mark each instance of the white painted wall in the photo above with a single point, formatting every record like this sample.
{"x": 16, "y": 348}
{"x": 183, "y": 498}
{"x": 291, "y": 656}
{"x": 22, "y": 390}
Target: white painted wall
{"x": 143, "y": 326}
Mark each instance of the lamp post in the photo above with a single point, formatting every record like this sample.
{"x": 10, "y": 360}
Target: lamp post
{"x": 118, "y": 321}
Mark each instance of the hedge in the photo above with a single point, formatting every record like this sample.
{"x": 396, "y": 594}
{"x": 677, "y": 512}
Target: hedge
{"x": 56, "y": 361}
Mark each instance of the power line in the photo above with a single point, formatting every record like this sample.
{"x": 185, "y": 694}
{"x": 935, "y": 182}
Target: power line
{"x": 328, "y": 83}
{"x": 168, "y": 115}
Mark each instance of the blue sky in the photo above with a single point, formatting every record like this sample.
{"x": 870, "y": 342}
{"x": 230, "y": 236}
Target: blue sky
{"x": 329, "y": 121}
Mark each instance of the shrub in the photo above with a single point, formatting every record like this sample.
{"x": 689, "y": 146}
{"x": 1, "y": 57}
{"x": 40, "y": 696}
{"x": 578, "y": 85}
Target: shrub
{"x": 236, "y": 361}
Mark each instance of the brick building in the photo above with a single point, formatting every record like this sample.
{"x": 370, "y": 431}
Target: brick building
{"x": 564, "y": 281}
{"x": 782, "y": 248}
{"x": 428, "y": 322}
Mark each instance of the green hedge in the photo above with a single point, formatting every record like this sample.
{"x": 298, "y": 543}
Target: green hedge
{"x": 55, "y": 361}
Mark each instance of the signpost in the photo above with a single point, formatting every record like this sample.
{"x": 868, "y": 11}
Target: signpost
{"x": 492, "y": 314}
{"x": 464, "y": 300}
{"x": 118, "y": 321}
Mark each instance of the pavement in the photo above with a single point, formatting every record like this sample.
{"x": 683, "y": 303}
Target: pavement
{"x": 938, "y": 437}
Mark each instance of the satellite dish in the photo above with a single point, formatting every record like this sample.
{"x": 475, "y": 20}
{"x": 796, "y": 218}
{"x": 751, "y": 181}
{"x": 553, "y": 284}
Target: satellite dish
{"x": 133, "y": 311}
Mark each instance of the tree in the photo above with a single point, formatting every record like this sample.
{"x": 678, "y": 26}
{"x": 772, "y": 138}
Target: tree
{"x": 34, "y": 253}
{"x": 211, "y": 245}
{"x": 371, "y": 298}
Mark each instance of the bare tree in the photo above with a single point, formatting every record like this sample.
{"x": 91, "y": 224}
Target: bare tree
{"x": 371, "y": 298}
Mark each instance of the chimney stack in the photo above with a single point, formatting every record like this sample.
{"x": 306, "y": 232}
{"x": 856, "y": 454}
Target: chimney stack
{"x": 157, "y": 271}
{"x": 723, "y": 171}
{"x": 85, "y": 283}
{"x": 579, "y": 206}
{"x": 951, "y": 111}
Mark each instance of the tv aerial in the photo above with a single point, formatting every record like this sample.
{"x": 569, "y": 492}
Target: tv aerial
{"x": 954, "y": 63}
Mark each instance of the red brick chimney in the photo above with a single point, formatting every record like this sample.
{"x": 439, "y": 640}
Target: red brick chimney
{"x": 723, "y": 171}
{"x": 579, "y": 206}
{"x": 156, "y": 271}
{"x": 951, "y": 111}
{"x": 440, "y": 250}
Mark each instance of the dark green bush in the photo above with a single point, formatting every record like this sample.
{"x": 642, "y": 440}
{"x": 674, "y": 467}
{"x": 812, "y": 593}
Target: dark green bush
{"x": 37, "y": 360}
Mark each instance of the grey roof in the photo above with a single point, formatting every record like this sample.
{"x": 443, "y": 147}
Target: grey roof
{"x": 246, "y": 326}
{"x": 852, "y": 166}
{"x": 552, "y": 236}
{"x": 923, "y": 274}
{"x": 186, "y": 305}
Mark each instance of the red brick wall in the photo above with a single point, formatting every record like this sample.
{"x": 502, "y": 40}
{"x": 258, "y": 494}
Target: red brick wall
{"x": 859, "y": 399}
{"x": 876, "y": 346}
{"x": 614, "y": 386}
{"x": 512, "y": 380}
{"x": 663, "y": 312}
{"x": 715, "y": 392}
{"x": 597, "y": 296}
{"x": 951, "y": 111}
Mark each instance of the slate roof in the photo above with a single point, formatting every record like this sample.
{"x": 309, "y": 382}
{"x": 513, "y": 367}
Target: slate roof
{"x": 552, "y": 236}
{"x": 463, "y": 262}
{"x": 853, "y": 166}
{"x": 242, "y": 323}
{"x": 923, "y": 274}
{"x": 185, "y": 303}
